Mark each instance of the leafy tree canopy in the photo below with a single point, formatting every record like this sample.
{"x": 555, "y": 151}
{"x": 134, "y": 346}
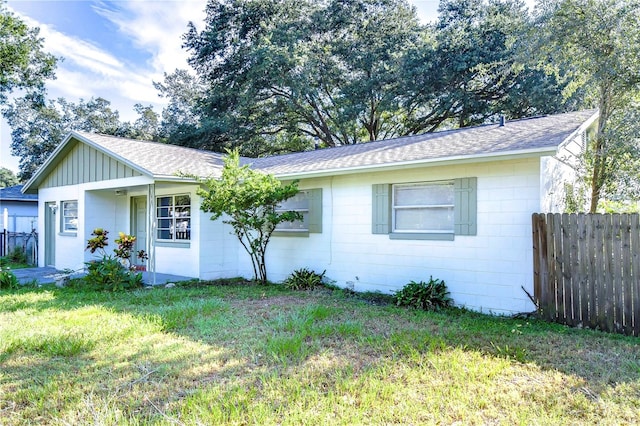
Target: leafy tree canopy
{"x": 274, "y": 76}
{"x": 322, "y": 71}
{"x": 7, "y": 178}
{"x": 599, "y": 41}
{"x": 23, "y": 63}
{"x": 37, "y": 128}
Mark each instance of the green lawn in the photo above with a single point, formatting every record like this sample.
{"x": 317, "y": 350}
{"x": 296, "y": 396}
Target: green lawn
{"x": 245, "y": 354}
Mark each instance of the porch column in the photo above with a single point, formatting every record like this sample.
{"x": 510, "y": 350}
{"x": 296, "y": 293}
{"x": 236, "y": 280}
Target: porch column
{"x": 151, "y": 226}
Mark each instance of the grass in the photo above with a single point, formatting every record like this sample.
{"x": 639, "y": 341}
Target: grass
{"x": 246, "y": 354}
{"x": 13, "y": 265}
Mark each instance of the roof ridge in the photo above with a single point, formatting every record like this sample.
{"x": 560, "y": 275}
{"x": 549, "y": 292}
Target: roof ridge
{"x": 206, "y": 151}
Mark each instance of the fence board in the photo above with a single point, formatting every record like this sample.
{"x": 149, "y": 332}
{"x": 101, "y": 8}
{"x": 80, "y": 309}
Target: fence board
{"x": 551, "y": 301}
{"x": 593, "y": 272}
{"x": 632, "y": 287}
{"x": 558, "y": 262}
{"x": 606, "y": 316}
{"x": 565, "y": 264}
{"x": 625, "y": 274}
{"x": 584, "y": 270}
{"x": 576, "y": 271}
{"x": 536, "y": 255}
{"x": 587, "y": 270}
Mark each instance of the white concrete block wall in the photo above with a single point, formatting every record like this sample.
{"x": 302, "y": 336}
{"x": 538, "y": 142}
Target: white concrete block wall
{"x": 218, "y": 248}
{"x": 483, "y": 272}
{"x": 103, "y": 210}
{"x": 556, "y": 172}
{"x": 69, "y": 249}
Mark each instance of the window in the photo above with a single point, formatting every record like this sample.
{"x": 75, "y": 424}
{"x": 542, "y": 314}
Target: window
{"x": 309, "y": 204}
{"x": 174, "y": 217}
{"x": 423, "y": 207}
{"x": 70, "y": 216}
{"x": 425, "y": 210}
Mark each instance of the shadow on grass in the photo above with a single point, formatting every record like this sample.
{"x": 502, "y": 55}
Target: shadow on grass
{"x": 150, "y": 348}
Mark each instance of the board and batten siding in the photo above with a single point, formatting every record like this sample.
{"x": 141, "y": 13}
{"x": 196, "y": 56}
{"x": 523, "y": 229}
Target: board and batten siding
{"x": 84, "y": 164}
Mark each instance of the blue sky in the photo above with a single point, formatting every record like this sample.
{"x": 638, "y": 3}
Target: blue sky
{"x": 116, "y": 49}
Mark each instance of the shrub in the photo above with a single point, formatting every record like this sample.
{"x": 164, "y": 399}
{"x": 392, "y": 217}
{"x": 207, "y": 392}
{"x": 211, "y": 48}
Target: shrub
{"x": 113, "y": 272}
{"x": 109, "y": 273}
{"x": 428, "y": 296}
{"x": 17, "y": 255}
{"x": 303, "y": 279}
{"x": 8, "y": 280}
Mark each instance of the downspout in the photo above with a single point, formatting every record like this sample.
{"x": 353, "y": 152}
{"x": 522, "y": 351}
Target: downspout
{"x": 151, "y": 226}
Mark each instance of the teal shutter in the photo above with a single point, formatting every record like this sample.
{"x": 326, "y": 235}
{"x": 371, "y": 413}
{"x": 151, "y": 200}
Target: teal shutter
{"x": 381, "y": 209}
{"x": 315, "y": 210}
{"x": 466, "y": 206}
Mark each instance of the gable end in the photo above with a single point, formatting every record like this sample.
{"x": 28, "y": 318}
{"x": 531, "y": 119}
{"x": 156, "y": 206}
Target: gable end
{"x": 84, "y": 164}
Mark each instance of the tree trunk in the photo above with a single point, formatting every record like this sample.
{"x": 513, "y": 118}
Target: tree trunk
{"x": 599, "y": 172}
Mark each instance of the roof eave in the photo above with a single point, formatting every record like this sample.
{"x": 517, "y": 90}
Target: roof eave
{"x": 583, "y": 128}
{"x": 174, "y": 178}
{"x": 432, "y": 162}
{"x": 33, "y": 200}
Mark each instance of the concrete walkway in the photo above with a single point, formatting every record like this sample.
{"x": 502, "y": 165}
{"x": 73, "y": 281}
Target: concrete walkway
{"x": 47, "y": 275}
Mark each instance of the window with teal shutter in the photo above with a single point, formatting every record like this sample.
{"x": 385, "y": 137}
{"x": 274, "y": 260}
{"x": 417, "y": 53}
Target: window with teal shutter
{"x": 315, "y": 210}
{"x": 308, "y": 203}
{"x": 381, "y": 223}
{"x": 425, "y": 210}
{"x": 466, "y": 206}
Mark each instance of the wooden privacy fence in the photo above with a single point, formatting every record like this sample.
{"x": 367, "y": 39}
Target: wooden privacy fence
{"x": 587, "y": 270}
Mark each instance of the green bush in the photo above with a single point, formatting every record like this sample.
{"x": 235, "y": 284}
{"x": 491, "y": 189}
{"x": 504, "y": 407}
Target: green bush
{"x": 17, "y": 255}
{"x": 427, "y": 296}
{"x": 113, "y": 273}
{"x": 109, "y": 273}
{"x": 303, "y": 279}
{"x": 8, "y": 280}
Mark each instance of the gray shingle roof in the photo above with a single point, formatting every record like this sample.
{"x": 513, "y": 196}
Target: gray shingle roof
{"x": 160, "y": 159}
{"x": 534, "y": 136}
{"x": 14, "y": 193}
{"x": 523, "y": 135}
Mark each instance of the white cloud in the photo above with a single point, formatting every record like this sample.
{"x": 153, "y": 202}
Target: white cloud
{"x": 157, "y": 27}
{"x": 88, "y": 70}
{"x": 77, "y": 52}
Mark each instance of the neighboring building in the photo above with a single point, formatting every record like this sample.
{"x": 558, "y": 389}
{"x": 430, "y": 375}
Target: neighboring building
{"x": 455, "y": 205}
{"x": 21, "y": 209}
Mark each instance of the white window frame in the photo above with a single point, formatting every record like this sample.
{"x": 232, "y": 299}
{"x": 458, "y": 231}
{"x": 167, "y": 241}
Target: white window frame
{"x": 65, "y": 224}
{"x": 173, "y": 218}
{"x": 395, "y": 208}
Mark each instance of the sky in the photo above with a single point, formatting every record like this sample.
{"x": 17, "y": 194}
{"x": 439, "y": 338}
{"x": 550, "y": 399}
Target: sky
{"x": 117, "y": 49}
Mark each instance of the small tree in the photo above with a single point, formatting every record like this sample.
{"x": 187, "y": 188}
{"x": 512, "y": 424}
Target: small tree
{"x": 249, "y": 199}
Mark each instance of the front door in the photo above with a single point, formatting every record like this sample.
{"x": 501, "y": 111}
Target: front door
{"x": 139, "y": 226}
{"x": 50, "y": 233}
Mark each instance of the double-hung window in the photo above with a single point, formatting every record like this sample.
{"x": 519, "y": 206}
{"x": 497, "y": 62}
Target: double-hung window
{"x": 174, "y": 217}
{"x": 70, "y": 216}
{"x": 436, "y": 210}
{"x": 309, "y": 204}
{"x": 423, "y": 207}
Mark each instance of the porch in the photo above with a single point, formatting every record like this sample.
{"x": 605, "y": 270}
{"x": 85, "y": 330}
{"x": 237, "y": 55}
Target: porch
{"x": 46, "y": 276}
